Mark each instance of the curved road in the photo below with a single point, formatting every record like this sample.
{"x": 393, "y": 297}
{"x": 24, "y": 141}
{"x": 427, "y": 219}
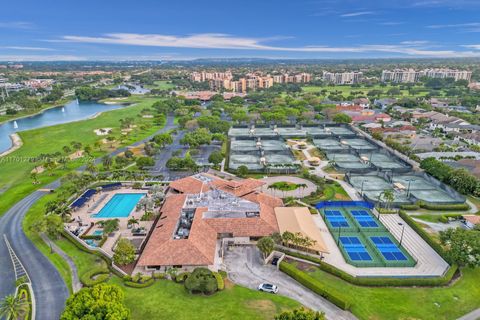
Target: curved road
{"x": 48, "y": 286}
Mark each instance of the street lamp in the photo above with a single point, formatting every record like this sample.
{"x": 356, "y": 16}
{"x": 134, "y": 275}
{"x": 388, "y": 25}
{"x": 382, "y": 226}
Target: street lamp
{"x": 408, "y": 188}
{"x": 361, "y": 190}
{"x": 403, "y": 230}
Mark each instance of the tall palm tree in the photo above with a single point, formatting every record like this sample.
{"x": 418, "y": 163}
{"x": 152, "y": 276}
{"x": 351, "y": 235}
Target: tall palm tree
{"x": 13, "y": 307}
{"x": 133, "y": 221}
{"x": 388, "y": 196}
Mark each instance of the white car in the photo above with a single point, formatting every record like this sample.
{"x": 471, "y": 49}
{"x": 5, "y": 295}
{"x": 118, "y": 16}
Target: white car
{"x": 267, "y": 287}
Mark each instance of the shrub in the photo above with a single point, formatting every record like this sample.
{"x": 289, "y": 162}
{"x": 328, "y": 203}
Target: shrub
{"x": 201, "y": 280}
{"x": 223, "y": 274}
{"x": 446, "y": 207}
{"x": 159, "y": 275}
{"x": 376, "y": 282}
{"x": 220, "y": 282}
{"x": 316, "y": 286}
{"x": 409, "y": 207}
{"x": 181, "y": 277}
{"x": 144, "y": 284}
{"x": 100, "y": 274}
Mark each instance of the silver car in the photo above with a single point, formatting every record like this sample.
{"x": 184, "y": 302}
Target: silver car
{"x": 267, "y": 287}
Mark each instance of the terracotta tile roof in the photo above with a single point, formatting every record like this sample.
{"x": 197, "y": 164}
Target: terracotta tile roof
{"x": 162, "y": 249}
{"x": 199, "y": 248}
{"x": 472, "y": 219}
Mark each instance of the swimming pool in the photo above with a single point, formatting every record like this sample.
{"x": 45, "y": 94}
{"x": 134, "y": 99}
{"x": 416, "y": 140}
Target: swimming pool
{"x": 120, "y": 205}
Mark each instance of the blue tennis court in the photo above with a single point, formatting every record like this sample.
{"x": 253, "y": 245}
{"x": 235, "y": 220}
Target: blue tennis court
{"x": 355, "y": 249}
{"x": 364, "y": 219}
{"x": 388, "y": 249}
{"x": 336, "y": 219}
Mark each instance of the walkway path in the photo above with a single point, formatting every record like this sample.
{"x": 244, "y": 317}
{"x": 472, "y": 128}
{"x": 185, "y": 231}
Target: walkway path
{"x": 474, "y": 315}
{"x": 76, "y": 284}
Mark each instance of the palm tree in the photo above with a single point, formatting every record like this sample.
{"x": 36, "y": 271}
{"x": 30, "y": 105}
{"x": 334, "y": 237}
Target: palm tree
{"x": 388, "y": 196}
{"x": 266, "y": 246}
{"x": 133, "y": 221}
{"x": 13, "y": 307}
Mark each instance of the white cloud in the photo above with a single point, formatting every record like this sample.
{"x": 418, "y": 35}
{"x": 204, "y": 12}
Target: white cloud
{"x": 457, "y": 25}
{"x": 472, "y": 46}
{"x": 41, "y": 58}
{"x": 16, "y": 25}
{"x": 27, "y": 48}
{"x": 224, "y": 41}
{"x": 356, "y": 14}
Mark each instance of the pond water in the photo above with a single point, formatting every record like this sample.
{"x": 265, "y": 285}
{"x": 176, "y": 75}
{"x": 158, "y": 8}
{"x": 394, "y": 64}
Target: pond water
{"x": 72, "y": 111}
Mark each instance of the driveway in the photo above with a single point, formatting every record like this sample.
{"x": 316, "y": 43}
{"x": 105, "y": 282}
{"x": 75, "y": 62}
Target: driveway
{"x": 244, "y": 267}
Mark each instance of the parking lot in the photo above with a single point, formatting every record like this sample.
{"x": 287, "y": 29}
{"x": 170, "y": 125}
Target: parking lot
{"x": 244, "y": 267}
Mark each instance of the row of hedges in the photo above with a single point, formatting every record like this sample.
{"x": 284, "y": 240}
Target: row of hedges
{"x": 316, "y": 286}
{"x": 425, "y": 236}
{"x": 438, "y": 207}
{"x": 220, "y": 282}
{"x": 376, "y": 282}
{"x": 100, "y": 274}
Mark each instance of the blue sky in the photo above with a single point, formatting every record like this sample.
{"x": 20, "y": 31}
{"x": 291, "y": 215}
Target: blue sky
{"x": 157, "y": 30}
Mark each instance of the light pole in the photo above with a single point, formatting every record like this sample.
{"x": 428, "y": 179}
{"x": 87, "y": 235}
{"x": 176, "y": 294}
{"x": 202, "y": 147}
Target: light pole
{"x": 361, "y": 190}
{"x": 408, "y": 188}
{"x": 339, "y": 232}
{"x": 403, "y": 230}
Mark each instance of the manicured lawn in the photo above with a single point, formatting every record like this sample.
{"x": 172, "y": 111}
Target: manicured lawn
{"x": 169, "y": 300}
{"x": 15, "y": 181}
{"x": 161, "y": 85}
{"x": 410, "y": 303}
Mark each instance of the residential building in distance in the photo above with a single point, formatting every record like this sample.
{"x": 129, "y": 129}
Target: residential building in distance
{"x": 252, "y": 81}
{"x": 343, "y": 77}
{"x": 412, "y": 75}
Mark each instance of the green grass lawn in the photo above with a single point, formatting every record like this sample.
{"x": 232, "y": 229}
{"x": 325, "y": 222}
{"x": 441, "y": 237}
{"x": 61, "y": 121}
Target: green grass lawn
{"x": 440, "y": 303}
{"x": 15, "y": 181}
{"x": 169, "y": 300}
{"x": 161, "y": 85}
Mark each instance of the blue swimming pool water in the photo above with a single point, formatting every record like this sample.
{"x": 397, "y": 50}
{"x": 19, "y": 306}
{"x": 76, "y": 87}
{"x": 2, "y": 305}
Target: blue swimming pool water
{"x": 120, "y": 205}
{"x": 97, "y": 233}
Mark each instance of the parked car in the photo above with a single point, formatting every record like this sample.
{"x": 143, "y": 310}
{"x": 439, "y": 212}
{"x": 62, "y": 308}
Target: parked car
{"x": 267, "y": 287}
{"x": 275, "y": 261}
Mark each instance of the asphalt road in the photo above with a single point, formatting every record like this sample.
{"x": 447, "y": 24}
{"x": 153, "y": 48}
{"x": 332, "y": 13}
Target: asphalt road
{"x": 48, "y": 286}
{"x": 245, "y": 268}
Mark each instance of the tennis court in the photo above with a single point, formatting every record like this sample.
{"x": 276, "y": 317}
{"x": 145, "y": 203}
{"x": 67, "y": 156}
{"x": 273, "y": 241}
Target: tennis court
{"x": 364, "y": 219}
{"x": 355, "y": 249}
{"x": 389, "y": 250}
{"x": 336, "y": 219}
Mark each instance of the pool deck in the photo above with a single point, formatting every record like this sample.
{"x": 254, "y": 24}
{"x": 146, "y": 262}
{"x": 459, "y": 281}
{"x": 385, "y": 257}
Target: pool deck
{"x": 429, "y": 263}
{"x": 84, "y": 216}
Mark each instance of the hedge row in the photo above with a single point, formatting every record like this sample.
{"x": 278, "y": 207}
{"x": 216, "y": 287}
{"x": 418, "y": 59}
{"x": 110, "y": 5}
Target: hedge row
{"x": 102, "y": 275}
{"x": 220, "y": 282}
{"x": 445, "y": 207}
{"x": 316, "y": 286}
{"x": 376, "y": 282}
{"x": 425, "y": 236}
{"x": 98, "y": 254}
{"x": 144, "y": 284}
{"x": 159, "y": 275}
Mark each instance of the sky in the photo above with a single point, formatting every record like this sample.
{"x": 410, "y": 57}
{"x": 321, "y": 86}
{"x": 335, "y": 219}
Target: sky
{"x": 50, "y": 30}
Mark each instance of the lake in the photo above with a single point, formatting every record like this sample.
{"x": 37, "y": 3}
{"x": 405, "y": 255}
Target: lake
{"x": 58, "y": 115}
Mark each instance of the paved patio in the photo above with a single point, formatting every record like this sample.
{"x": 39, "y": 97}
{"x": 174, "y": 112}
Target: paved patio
{"x": 84, "y": 217}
